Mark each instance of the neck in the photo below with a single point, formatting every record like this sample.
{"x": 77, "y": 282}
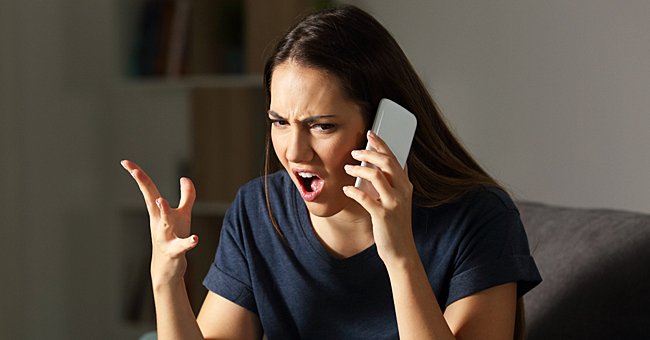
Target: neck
{"x": 346, "y": 233}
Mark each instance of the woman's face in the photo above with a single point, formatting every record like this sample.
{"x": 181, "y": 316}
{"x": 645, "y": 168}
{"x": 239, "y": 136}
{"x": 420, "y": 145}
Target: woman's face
{"x": 314, "y": 129}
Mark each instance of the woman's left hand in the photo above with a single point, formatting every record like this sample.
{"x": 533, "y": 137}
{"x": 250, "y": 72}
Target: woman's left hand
{"x": 391, "y": 212}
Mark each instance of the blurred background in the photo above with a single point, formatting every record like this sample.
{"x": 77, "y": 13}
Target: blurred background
{"x": 552, "y": 97}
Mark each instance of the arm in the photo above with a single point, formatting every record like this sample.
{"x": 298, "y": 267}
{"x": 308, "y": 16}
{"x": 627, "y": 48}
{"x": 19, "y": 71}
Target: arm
{"x": 416, "y": 306}
{"x": 486, "y": 315}
{"x": 170, "y": 238}
{"x": 174, "y": 315}
{"x": 220, "y": 318}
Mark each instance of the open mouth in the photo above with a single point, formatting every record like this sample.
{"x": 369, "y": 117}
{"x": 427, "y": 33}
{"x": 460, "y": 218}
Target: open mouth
{"x": 310, "y": 184}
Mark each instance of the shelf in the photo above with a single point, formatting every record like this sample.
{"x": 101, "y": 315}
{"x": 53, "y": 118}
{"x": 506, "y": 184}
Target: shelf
{"x": 192, "y": 82}
{"x": 200, "y": 209}
{"x": 206, "y": 89}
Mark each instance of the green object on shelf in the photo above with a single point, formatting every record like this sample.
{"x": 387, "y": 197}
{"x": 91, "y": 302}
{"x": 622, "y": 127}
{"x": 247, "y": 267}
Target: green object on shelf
{"x": 149, "y": 336}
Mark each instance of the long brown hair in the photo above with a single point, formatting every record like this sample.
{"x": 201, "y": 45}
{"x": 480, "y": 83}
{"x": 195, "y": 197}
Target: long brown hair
{"x": 350, "y": 44}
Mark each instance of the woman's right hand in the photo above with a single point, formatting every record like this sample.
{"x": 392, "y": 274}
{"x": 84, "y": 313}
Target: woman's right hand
{"x": 170, "y": 227}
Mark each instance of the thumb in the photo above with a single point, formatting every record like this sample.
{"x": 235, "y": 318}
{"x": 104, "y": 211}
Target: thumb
{"x": 180, "y": 246}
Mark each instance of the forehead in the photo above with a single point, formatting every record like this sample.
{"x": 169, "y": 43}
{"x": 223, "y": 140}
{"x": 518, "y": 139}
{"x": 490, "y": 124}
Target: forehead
{"x": 298, "y": 92}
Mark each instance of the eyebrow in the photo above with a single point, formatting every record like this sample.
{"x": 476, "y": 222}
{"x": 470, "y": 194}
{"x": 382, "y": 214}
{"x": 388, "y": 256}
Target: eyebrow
{"x": 307, "y": 120}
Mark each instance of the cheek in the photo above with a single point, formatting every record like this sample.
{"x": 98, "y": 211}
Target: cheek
{"x": 278, "y": 146}
{"x": 338, "y": 154}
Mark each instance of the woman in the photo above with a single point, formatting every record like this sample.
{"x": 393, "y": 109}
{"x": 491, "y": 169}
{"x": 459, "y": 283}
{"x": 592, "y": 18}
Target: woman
{"x": 303, "y": 254}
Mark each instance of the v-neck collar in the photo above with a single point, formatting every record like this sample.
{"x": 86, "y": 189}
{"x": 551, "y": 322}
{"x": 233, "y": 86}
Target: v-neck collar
{"x": 318, "y": 250}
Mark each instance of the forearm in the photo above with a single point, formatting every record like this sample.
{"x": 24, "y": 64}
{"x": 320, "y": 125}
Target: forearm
{"x": 416, "y": 306}
{"x": 174, "y": 316}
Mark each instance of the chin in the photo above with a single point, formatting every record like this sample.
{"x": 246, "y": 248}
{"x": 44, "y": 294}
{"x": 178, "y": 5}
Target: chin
{"x": 329, "y": 206}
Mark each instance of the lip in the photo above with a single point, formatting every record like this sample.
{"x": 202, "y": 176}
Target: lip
{"x": 308, "y": 196}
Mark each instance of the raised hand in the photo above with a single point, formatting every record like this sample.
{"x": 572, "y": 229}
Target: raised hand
{"x": 170, "y": 227}
{"x": 391, "y": 212}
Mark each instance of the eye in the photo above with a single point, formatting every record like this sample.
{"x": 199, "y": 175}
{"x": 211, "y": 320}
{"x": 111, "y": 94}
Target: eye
{"x": 323, "y": 127}
{"x": 278, "y": 123}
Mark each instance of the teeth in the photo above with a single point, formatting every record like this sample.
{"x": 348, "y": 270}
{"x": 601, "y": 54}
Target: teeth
{"x": 306, "y": 174}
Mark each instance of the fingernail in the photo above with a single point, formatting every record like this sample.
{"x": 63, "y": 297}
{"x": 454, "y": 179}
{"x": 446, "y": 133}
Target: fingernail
{"x": 347, "y": 167}
{"x": 371, "y": 134}
{"x": 158, "y": 201}
{"x": 355, "y": 153}
{"x": 345, "y": 188}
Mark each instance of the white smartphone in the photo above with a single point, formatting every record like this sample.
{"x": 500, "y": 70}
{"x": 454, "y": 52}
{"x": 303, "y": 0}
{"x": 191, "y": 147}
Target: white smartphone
{"x": 396, "y": 126}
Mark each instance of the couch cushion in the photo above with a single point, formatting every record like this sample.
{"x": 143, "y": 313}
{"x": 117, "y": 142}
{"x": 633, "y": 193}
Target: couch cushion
{"x": 596, "y": 270}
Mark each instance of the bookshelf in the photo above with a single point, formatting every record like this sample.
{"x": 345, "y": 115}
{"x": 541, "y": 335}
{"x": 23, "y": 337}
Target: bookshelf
{"x": 206, "y": 58}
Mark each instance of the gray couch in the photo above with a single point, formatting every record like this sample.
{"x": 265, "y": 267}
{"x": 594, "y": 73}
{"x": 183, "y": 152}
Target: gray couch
{"x": 596, "y": 270}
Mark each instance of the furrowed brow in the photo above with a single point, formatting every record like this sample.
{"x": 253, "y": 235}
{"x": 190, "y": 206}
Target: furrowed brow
{"x": 276, "y": 115}
{"x": 312, "y": 119}
{"x": 307, "y": 120}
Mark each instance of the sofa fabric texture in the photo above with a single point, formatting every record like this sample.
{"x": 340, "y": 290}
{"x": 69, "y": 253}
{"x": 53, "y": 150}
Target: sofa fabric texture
{"x": 596, "y": 269}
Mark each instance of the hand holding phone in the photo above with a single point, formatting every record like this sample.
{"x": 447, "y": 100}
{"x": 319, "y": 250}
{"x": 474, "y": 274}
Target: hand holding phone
{"x": 396, "y": 126}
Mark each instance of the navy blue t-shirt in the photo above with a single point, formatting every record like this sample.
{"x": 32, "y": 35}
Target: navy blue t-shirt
{"x": 299, "y": 290}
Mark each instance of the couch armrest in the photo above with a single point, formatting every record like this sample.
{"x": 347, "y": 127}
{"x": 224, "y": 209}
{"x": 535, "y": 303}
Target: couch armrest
{"x": 596, "y": 270}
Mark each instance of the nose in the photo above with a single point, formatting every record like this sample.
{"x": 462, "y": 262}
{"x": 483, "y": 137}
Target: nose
{"x": 298, "y": 147}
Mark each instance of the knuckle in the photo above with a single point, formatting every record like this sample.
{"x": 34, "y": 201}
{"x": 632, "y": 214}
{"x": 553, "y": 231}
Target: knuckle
{"x": 390, "y": 204}
{"x": 386, "y": 160}
{"x": 377, "y": 174}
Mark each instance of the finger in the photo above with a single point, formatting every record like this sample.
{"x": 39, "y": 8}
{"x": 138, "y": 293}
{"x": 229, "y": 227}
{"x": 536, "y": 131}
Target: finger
{"x": 188, "y": 194}
{"x": 146, "y": 185}
{"x": 386, "y": 163}
{"x": 144, "y": 181}
{"x": 378, "y": 144}
{"x": 164, "y": 208}
{"x": 375, "y": 176}
{"x": 365, "y": 200}
{"x": 179, "y": 246}
{"x": 166, "y": 232}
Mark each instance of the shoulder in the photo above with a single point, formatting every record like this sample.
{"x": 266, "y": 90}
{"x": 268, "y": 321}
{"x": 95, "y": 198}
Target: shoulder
{"x": 491, "y": 198}
{"x": 478, "y": 203}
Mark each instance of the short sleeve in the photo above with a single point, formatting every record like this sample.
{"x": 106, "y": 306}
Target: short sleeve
{"x": 229, "y": 274}
{"x": 493, "y": 251}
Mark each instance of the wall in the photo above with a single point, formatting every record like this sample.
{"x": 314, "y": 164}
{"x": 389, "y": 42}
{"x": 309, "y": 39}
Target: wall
{"x": 11, "y": 197}
{"x": 551, "y": 96}
{"x": 59, "y": 245}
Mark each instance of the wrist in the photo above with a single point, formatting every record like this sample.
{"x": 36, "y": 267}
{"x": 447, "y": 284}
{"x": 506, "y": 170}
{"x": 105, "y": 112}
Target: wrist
{"x": 167, "y": 273}
{"x": 407, "y": 263}
{"x": 162, "y": 284}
